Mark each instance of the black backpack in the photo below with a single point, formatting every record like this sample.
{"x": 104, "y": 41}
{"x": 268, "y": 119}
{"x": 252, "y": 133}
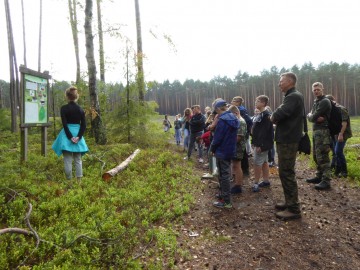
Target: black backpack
{"x": 335, "y": 120}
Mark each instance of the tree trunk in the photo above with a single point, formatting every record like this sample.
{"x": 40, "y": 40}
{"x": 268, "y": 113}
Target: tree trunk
{"x": 101, "y": 42}
{"x": 23, "y": 25}
{"x": 12, "y": 65}
{"x": 122, "y": 166}
{"x": 1, "y": 97}
{"x": 74, "y": 30}
{"x": 40, "y": 30}
{"x": 140, "y": 74}
{"x": 96, "y": 122}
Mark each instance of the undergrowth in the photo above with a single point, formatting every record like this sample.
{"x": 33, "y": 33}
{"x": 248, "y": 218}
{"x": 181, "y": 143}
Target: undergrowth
{"x": 126, "y": 223}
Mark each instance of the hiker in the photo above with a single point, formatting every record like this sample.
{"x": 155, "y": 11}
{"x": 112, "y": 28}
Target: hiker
{"x": 339, "y": 141}
{"x": 223, "y": 146}
{"x": 196, "y": 124}
{"x": 321, "y": 138}
{"x": 262, "y": 142}
{"x": 70, "y": 142}
{"x": 166, "y": 123}
{"x": 239, "y": 154}
{"x": 289, "y": 121}
{"x": 177, "y": 127}
{"x": 186, "y": 127}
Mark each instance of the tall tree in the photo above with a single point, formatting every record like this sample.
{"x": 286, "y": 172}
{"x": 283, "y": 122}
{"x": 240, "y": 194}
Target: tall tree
{"x": 40, "y": 33}
{"x": 23, "y": 26}
{"x": 1, "y": 97}
{"x": 96, "y": 121}
{"x": 101, "y": 42}
{"x": 14, "y": 78}
{"x": 74, "y": 30}
{"x": 140, "y": 67}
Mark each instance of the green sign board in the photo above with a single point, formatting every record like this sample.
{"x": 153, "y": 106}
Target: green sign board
{"x": 35, "y": 100}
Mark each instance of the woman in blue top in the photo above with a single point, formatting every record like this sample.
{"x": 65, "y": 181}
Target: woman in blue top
{"x": 70, "y": 141}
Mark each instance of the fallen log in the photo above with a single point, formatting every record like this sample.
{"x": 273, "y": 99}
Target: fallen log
{"x": 106, "y": 176}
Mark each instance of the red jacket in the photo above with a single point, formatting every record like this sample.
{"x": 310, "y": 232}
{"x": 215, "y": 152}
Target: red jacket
{"x": 206, "y": 138}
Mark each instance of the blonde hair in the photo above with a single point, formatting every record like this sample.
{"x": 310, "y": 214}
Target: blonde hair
{"x": 72, "y": 94}
{"x": 235, "y": 110}
{"x": 318, "y": 84}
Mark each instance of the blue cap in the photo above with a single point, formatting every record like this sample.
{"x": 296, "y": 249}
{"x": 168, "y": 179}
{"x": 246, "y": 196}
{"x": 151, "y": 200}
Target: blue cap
{"x": 220, "y": 103}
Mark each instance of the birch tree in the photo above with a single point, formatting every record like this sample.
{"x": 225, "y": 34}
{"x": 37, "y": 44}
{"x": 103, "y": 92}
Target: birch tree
{"x": 139, "y": 58}
{"x": 101, "y": 42}
{"x": 74, "y": 30}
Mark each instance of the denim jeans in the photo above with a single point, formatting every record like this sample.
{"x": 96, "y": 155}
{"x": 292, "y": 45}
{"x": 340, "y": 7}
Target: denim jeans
{"x": 68, "y": 159}
{"x": 339, "y": 156}
{"x": 186, "y": 138}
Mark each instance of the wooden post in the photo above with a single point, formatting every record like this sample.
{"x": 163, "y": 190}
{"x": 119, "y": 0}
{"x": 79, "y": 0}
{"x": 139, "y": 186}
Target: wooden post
{"x": 24, "y": 143}
{"x": 43, "y": 140}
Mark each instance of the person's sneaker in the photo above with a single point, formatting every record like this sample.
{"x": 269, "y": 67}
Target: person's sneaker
{"x": 186, "y": 158}
{"x": 287, "y": 215}
{"x": 236, "y": 189}
{"x": 201, "y": 160}
{"x": 315, "y": 180}
{"x": 280, "y": 206}
{"x": 323, "y": 185}
{"x": 207, "y": 175}
{"x": 271, "y": 164}
{"x": 264, "y": 184}
{"x": 221, "y": 204}
{"x": 255, "y": 188}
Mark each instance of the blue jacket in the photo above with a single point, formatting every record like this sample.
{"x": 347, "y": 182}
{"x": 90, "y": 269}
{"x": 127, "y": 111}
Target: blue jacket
{"x": 224, "y": 140}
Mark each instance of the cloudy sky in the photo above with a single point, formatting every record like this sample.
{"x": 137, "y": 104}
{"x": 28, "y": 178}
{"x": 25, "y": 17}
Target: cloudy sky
{"x": 209, "y": 37}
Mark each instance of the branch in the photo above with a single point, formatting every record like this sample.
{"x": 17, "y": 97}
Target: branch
{"x": 27, "y": 221}
{"x": 122, "y": 166}
{"x": 16, "y": 230}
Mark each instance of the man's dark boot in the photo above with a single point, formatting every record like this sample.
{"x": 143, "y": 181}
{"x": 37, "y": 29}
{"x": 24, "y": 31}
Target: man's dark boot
{"x": 288, "y": 215}
{"x": 315, "y": 180}
{"x": 323, "y": 185}
{"x": 280, "y": 206}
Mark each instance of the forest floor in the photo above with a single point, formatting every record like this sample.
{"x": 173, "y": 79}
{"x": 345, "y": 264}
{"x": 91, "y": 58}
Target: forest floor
{"x": 249, "y": 236}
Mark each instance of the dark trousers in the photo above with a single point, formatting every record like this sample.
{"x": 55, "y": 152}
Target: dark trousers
{"x": 245, "y": 163}
{"x": 224, "y": 169}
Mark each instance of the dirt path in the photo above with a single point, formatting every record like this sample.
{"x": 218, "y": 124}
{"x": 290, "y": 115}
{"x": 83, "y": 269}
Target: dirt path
{"x": 251, "y": 237}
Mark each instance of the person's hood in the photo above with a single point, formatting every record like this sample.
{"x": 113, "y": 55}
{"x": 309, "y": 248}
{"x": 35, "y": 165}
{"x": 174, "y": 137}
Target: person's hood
{"x": 230, "y": 119}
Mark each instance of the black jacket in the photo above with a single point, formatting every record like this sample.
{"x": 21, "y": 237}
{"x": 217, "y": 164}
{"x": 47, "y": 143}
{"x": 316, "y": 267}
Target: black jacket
{"x": 197, "y": 123}
{"x": 263, "y": 131}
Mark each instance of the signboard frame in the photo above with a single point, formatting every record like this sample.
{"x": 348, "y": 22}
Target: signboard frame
{"x": 34, "y": 98}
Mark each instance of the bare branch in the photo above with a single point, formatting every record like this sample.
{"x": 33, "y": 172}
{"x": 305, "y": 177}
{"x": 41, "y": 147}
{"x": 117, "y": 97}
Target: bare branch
{"x": 16, "y": 230}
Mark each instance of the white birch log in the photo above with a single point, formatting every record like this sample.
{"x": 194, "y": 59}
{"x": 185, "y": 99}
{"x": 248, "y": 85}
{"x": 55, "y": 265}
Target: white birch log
{"x": 106, "y": 176}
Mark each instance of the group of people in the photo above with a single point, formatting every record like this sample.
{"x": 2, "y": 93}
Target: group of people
{"x": 225, "y": 130}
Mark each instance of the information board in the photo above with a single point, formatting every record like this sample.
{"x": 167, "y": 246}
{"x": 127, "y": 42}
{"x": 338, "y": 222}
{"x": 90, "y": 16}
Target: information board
{"x": 35, "y": 99}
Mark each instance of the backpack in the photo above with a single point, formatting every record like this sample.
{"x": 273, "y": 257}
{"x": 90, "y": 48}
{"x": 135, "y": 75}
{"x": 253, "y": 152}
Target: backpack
{"x": 335, "y": 120}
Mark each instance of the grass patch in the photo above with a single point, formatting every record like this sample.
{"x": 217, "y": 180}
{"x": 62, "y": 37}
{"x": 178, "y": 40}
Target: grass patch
{"x": 124, "y": 224}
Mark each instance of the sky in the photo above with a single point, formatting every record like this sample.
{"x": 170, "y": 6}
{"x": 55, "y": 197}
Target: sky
{"x": 209, "y": 38}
